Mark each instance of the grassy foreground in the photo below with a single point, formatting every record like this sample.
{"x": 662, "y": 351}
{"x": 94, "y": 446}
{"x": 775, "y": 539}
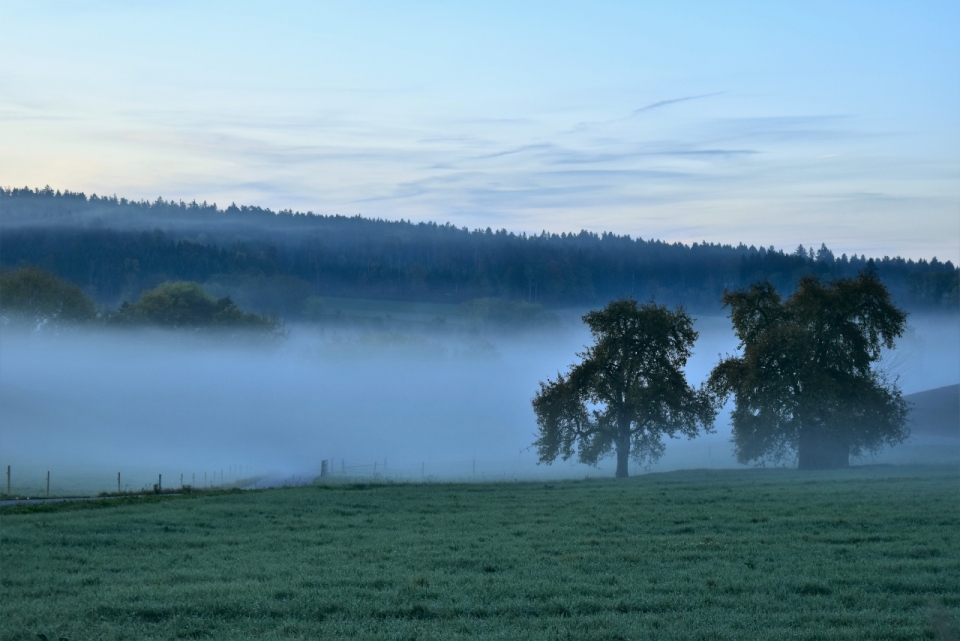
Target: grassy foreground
{"x": 868, "y": 553}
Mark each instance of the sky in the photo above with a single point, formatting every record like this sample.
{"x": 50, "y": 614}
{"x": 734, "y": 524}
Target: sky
{"x": 755, "y": 122}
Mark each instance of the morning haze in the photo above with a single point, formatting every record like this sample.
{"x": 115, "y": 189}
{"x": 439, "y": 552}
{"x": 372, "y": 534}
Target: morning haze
{"x": 156, "y": 401}
{"x": 508, "y": 320}
{"x": 199, "y": 339}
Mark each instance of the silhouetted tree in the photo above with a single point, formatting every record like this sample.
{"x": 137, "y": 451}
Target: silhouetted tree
{"x": 805, "y": 380}
{"x": 628, "y": 391}
{"x": 35, "y": 295}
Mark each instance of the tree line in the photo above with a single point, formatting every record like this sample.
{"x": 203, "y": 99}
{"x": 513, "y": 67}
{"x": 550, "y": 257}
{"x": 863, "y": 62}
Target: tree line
{"x": 115, "y": 248}
{"x": 34, "y": 297}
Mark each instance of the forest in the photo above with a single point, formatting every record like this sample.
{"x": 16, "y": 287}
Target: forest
{"x": 114, "y": 249}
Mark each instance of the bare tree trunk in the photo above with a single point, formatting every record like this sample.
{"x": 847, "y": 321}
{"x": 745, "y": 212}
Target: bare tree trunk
{"x": 822, "y": 451}
{"x": 623, "y": 448}
{"x": 623, "y": 456}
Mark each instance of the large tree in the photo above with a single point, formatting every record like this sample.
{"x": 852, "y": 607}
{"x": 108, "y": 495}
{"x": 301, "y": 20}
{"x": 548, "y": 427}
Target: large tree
{"x": 628, "y": 391}
{"x": 806, "y": 379}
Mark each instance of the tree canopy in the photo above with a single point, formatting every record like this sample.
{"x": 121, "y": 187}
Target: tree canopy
{"x": 34, "y": 295}
{"x": 806, "y": 379}
{"x": 628, "y": 391}
{"x": 187, "y": 305}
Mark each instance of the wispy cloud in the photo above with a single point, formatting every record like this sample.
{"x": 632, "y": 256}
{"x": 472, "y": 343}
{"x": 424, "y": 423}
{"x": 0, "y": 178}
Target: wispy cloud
{"x": 603, "y": 152}
{"x": 495, "y": 190}
{"x": 673, "y": 101}
{"x": 784, "y": 128}
{"x": 518, "y": 150}
{"x": 580, "y": 157}
{"x": 581, "y": 126}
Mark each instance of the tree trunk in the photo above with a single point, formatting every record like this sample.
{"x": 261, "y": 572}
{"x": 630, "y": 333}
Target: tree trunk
{"x": 818, "y": 451}
{"x": 623, "y": 448}
{"x": 623, "y": 456}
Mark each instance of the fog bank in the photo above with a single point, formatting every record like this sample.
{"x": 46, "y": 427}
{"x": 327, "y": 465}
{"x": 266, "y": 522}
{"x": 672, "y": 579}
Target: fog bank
{"x": 419, "y": 405}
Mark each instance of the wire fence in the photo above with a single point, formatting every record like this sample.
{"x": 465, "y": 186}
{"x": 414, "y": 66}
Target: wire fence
{"x": 33, "y": 481}
{"x": 523, "y": 467}
{"x": 686, "y": 455}
{"x": 30, "y": 480}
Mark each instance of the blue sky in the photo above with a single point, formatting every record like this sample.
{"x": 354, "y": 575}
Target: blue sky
{"x": 766, "y": 123}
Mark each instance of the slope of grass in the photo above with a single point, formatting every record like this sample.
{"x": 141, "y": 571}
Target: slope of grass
{"x": 868, "y": 553}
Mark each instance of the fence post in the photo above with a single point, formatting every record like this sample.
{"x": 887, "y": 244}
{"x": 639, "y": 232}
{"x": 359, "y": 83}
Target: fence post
{"x": 181, "y": 480}
{"x": 160, "y": 481}
{"x": 323, "y": 467}
{"x": 118, "y": 482}
{"x": 8, "y": 480}
{"x": 48, "y": 483}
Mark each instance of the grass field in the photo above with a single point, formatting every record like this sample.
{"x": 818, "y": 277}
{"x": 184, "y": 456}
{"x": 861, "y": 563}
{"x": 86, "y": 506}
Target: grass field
{"x": 866, "y": 553}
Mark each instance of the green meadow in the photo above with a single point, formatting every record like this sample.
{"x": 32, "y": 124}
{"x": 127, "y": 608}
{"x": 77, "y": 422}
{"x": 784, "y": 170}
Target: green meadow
{"x": 864, "y": 553}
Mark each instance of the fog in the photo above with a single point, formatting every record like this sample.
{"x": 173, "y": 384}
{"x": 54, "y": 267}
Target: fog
{"x": 429, "y": 404}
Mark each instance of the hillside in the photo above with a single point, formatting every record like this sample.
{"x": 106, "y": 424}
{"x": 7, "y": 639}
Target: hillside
{"x": 936, "y": 412}
{"x": 114, "y": 249}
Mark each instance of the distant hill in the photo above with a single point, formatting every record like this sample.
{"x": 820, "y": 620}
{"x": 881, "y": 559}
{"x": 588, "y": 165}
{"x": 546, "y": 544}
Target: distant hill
{"x": 114, "y": 249}
{"x": 935, "y": 412}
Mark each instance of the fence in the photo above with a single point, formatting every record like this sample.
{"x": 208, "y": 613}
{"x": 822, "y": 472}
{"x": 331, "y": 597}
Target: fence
{"x": 27, "y": 479}
{"x": 30, "y": 480}
{"x": 523, "y": 467}
{"x": 33, "y": 481}
{"x": 680, "y": 454}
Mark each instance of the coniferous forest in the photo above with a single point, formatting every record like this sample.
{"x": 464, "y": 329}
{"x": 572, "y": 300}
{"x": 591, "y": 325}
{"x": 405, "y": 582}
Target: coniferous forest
{"x": 115, "y": 248}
